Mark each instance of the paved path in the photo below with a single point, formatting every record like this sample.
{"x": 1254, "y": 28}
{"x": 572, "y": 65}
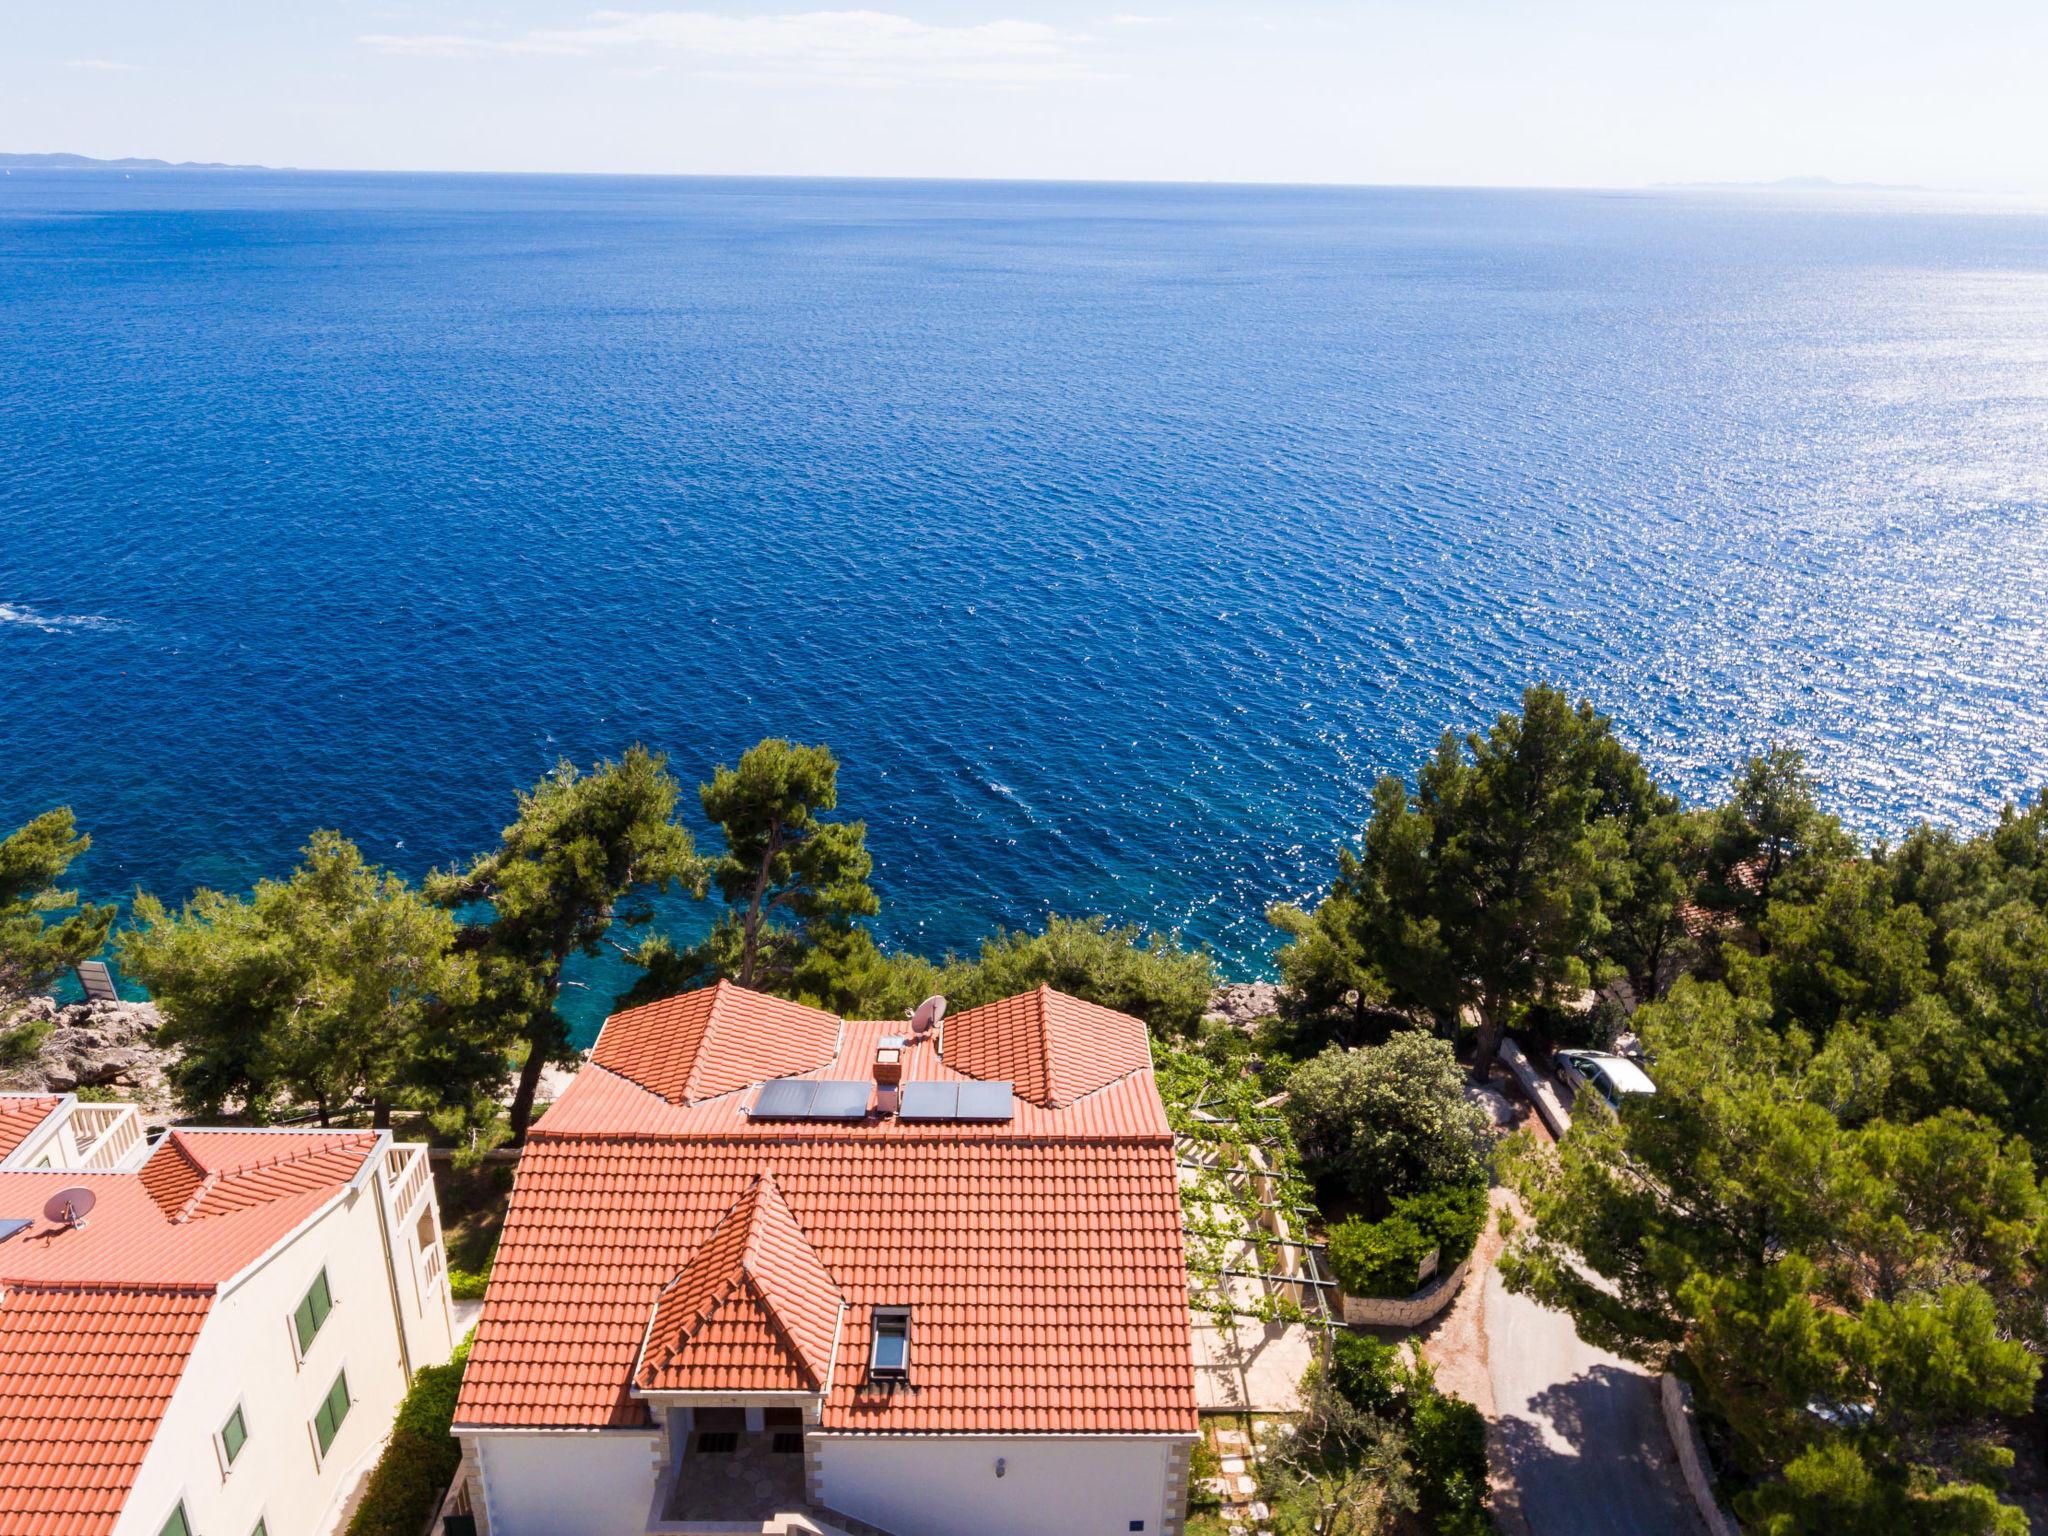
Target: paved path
{"x": 1580, "y": 1430}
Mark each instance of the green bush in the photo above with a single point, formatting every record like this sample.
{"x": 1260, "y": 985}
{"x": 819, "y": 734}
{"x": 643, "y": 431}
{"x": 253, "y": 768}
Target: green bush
{"x": 1151, "y": 976}
{"x": 468, "y": 1284}
{"x": 1447, "y": 1450}
{"x": 1383, "y": 1258}
{"x": 1379, "y": 1258}
{"x": 420, "y": 1459}
{"x": 1366, "y": 1373}
{"x": 1453, "y": 1214}
{"x": 1387, "y": 1120}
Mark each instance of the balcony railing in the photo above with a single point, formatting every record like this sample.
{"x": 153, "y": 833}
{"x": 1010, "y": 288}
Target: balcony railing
{"x": 406, "y": 1170}
{"x": 108, "y": 1135}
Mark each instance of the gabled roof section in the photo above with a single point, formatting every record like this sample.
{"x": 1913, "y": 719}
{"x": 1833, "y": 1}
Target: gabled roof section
{"x": 195, "y": 1174}
{"x": 85, "y": 1376}
{"x": 1050, "y": 1047}
{"x": 21, "y": 1114}
{"x": 713, "y": 1041}
{"x": 753, "y": 1310}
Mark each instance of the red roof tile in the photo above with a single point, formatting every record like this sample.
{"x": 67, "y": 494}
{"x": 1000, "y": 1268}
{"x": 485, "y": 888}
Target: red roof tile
{"x": 1041, "y": 1259}
{"x": 754, "y": 1310}
{"x": 703, "y": 1044}
{"x": 85, "y": 1376}
{"x": 96, "y": 1321}
{"x": 20, "y": 1114}
{"x": 1051, "y": 1047}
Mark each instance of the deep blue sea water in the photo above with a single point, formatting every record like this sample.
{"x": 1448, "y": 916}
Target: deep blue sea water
{"x": 1117, "y": 537}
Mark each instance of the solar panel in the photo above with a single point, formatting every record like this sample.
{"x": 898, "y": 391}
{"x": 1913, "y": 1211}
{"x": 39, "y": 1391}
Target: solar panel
{"x": 785, "y": 1100}
{"x": 985, "y": 1101}
{"x": 956, "y": 1101}
{"x": 11, "y": 1226}
{"x": 928, "y": 1101}
{"x": 804, "y": 1099}
{"x": 841, "y": 1099}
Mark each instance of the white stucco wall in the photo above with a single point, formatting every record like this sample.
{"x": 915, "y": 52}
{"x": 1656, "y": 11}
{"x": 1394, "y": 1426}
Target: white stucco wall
{"x": 946, "y": 1485}
{"x": 569, "y": 1482}
{"x": 246, "y": 1354}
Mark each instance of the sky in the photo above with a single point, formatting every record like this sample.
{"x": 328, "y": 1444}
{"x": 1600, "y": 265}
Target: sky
{"x": 1440, "y": 92}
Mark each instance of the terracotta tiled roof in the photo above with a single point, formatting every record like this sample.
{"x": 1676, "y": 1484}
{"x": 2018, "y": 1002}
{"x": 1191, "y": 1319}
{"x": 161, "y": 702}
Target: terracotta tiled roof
{"x": 754, "y": 1310}
{"x": 1053, "y": 1048}
{"x": 706, "y": 1043}
{"x": 96, "y": 1321}
{"x": 1041, "y": 1259}
{"x": 20, "y": 1114}
{"x": 85, "y": 1376}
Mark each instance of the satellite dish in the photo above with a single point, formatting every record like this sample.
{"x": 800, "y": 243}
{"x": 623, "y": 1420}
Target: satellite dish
{"x": 70, "y": 1206}
{"x": 928, "y": 1014}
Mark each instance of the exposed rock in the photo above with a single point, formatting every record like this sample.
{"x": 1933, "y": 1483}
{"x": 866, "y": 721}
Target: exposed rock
{"x": 1242, "y": 1004}
{"x": 98, "y": 1045}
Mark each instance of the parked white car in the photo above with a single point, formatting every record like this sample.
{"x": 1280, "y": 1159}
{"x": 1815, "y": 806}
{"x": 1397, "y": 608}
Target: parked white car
{"x": 1605, "y": 1077}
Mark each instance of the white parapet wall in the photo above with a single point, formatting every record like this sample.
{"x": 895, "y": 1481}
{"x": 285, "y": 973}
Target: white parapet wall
{"x": 1015, "y": 1485}
{"x": 1542, "y": 1092}
{"x": 1692, "y": 1457}
{"x": 597, "y": 1482}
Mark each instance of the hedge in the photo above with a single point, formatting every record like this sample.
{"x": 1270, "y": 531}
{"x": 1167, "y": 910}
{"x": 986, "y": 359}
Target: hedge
{"x": 1383, "y": 1258}
{"x": 468, "y": 1284}
{"x": 420, "y": 1460}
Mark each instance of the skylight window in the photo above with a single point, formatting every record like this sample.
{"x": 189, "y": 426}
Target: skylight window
{"x": 889, "y": 1356}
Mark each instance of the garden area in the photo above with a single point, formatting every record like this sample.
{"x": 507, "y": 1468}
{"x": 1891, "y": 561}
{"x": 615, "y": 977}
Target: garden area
{"x": 1307, "y": 1171}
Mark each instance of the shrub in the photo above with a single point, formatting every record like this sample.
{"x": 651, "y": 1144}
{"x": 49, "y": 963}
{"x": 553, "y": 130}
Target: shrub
{"x": 1149, "y": 976}
{"x": 1387, "y": 1120}
{"x": 1447, "y": 1450}
{"x": 420, "y": 1459}
{"x": 468, "y": 1284}
{"x": 1452, "y": 1214}
{"x": 1379, "y": 1258}
{"x": 1366, "y": 1372}
{"x": 1383, "y": 1258}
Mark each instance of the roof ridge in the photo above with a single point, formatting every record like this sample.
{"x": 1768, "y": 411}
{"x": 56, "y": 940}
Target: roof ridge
{"x": 123, "y": 1287}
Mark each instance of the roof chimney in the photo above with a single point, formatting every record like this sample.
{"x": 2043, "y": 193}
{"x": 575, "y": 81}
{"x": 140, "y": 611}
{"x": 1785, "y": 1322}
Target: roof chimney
{"x": 889, "y": 1061}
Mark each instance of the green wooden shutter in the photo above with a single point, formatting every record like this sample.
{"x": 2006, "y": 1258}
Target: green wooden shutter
{"x": 177, "y": 1524}
{"x": 327, "y": 1422}
{"x": 234, "y": 1435}
{"x": 310, "y": 1313}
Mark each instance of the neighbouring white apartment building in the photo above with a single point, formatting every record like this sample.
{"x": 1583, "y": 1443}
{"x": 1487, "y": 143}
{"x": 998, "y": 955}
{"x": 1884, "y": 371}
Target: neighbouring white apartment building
{"x": 207, "y": 1334}
{"x": 768, "y": 1270}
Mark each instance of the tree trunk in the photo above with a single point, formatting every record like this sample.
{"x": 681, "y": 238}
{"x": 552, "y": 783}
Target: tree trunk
{"x": 750, "y": 945}
{"x": 380, "y": 1113}
{"x": 1488, "y": 1045}
{"x": 522, "y": 1099}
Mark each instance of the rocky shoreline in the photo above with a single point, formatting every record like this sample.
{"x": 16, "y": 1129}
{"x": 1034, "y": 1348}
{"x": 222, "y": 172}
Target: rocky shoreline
{"x": 98, "y": 1045}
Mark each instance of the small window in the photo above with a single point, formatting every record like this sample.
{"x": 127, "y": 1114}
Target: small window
{"x": 788, "y": 1442}
{"x": 260, "y": 1528}
{"x": 890, "y": 1355}
{"x": 310, "y": 1313}
{"x": 233, "y": 1436}
{"x": 333, "y": 1410}
{"x": 717, "y": 1442}
{"x": 177, "y": 1525}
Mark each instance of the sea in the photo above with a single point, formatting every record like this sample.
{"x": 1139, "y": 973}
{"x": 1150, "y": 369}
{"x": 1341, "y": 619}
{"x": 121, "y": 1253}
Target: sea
{"x": 1117, "y": 538}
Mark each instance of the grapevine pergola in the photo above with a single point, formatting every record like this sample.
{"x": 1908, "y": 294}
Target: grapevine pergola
{"x": 1244, "y": 1199}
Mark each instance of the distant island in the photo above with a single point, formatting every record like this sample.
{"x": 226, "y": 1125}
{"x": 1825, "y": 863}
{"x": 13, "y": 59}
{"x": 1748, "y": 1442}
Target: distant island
{"x": 1786, "y": 184}
{"x": 61, "y": 162}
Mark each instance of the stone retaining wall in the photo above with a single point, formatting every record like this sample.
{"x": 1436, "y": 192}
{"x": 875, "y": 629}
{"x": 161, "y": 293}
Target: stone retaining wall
{"x": 1405, "y": 1311}
{"x": 1692, "y": 1457}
